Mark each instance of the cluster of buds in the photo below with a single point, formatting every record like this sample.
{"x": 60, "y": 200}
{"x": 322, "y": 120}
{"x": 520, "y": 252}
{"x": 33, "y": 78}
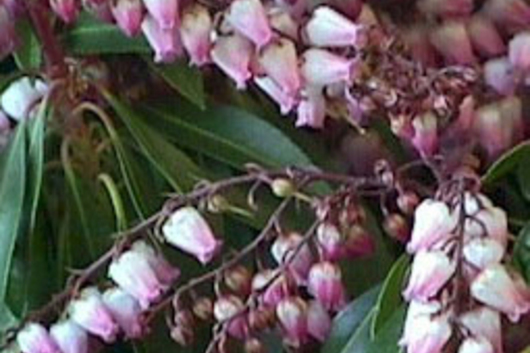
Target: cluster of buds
{"x": 140, "y": 276}
{"x": 458, "y": 287}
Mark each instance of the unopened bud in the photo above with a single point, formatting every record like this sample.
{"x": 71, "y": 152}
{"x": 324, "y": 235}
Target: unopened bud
{"x": 358, "y": 243}
{"x": 396, "y": 226}
{"x": 253, "y": 345}
{"x": 218, "y": 204}
{"x": 282, "y": 187}
{"x": 239, "y": 279}
{"x": 352, "y": 214}
{"x": 203, "y": 308}
{"x": 182, "y": 335}
{"x": 184, "y": 318}
{"x": 262, "y": 318}
{"x": 407, "y": 202}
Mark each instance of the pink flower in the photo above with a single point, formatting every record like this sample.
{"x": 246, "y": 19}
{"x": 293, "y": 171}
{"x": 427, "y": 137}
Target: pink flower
{"x": 187, "y": 230}
{"x": 492, "y": 129}
{"x": 433, "y": 224}
{"x": 484, "y": 322}
{"x": 474, "y": 202}
{"x": 195, "y": 30}
{"x": 34, "y": 338}
{"x": 21, "y": 96}
{"x": 417, "y": 309}
{"x": 358, "y": 243}
{"x": 165, "y": 42}
{"x": 447, "y": 8}
{"x": 8, "y": 36}
{"x": 233, "y": 54}
{"x": 498, "y": 74}
{"x": 425, "y": 138}
{"x": 482, "y": 252}
{"x": 511, "y": 14}
{"x": 89, "y": 312}
{"x": 496, "y": 288}
{"x": 164, "y": 12}
{"x": 279, "y": 61}
{"x": 282, "y": 22}
{"x": 282, "y": 251}
{"x": 452, "y": 41}
{"x": 312, "y": 108}
{"x": 70, "y": 337}
{"x": 292, "y": 315}
{"x": 285, "y": 100}
{"x": 67, "y": 10}
{"x": 126, "y": 310}
{"x": 485, "y": 37}
{"x": 325, "y": 284}
{"x": 321, "y": 67}
{"x": 248, "y": 17}
{"x": 329, "y": 28}
{"x": 491, "y": 222}
{"x": 318, "y": 321}
{"x": 476, "y": 345}
{"x": 129, "y": 15}
{"x": 421, "y": 49}
{"x": 330, "y": 241}
{"x": 519, "y": 51}
{"x": 101, "y": 10}
{"x": 165, "y": 272}
{"x": 273, "y": 292}
{"x": 230, "y": 308}
{"x": 430, "y": 272}
{"x": 426, "y": 333}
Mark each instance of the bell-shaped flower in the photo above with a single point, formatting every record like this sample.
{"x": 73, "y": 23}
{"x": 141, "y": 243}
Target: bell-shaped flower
{"x": 425, "y": 138}
{"x": 330, "y": 241}
{"x": 165, "y": 272}
{"x": 67, "y": 10}
{"x": 126, "y": 310}
{"x": 329, "y": 28}
{"x": 492, "y": 129}
{"x": 318, "y": 321}
{"x": 279, "y": 61}
{"x": 415, "y": 310}
{"x": 292, "y": 316}
{"x": 273, "y": 286}
{"x": 490, "y": 222}
{"x": 283, "y": 249}
{"x": 430, "y": 272}
{"x": 496, "y": 288}
{"x": 446, "y": 8}
{"x": 452, "y": 41}
{"x": 164, "y": 41}
{"x": 89, "y": 312}
{"x": 230, "y": 309}
{"x": 512, "y": 15}
{"x": 485, "y": 37}
{"x": 519, "y": 52}
{"x": 187, "y": 230}
{"x": 358, "y": 243}
{"x": 311, "y": 110}
{"x": 34, "y": 338}
{"x": 484, "y": 322}
{"x": 21, "y": 96}
{"x": 233, "y": 55}
{"x": 196, "y": 29}
{"x": 282, "y": 22}
{"x": 476, "y": 345}
{"x": 321, "y": 67}
{"x": 482, "y": 252}
{"x": 426, "y": 333}
{"x": 249, "y": 18}
{"x": 164, "y": 12}
{"x": 285, "y": 100}
{"x": 433, "y": 224}
{"x": 475, "y": 202}
{"x": 128, "y": 15}
{"x": 499, "y": 75}
{"x": 325, "y": 284}
{"x": 70, "y": 337}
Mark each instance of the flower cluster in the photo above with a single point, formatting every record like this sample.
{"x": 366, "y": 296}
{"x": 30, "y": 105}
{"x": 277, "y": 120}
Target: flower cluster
{"x": 458, "y": 287}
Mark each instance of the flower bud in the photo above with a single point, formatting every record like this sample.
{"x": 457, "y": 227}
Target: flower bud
{"x": 230, "y": 308}
{"x": 282, "y": 22}
{"x": 128, "y": 15}
{"x": 262, "y": 318}
{"x": 187, "y": 230}
{"x": 89, "y": 312}
{"x": 292, "y": 315}
{"x": 274, "y": 286}
{"x": 329, "y": 28}
{"x": 195, "y": 30}
{"x": 452, "y": 41}
{"x": 425, "y": 138}
{"x": 67, "y": 10}
{"x": 248, "y": 17}
{"x": 318, "y": 321}
{"x": 352, "y": 214}
{"x": 101, "y": 10}
{"x": 34, "y": 338}
{"x": 70, "y": 337}
{"x": 330, "y": 241}
{"x": 407, "y": 202}
{"x": 282, "y": 251}
{"x": 233, "y": 54}
{"x": 484, "y": 322}
{"x": 285, "y": 100}
{"x": 485, "y": 37}
{"x": 238, "y": 279}
{"x": 325, "y": 284}
{"x": 312, "y": 108}
{"x": 164, "y": 12}
{"x": 490, "y": 222}
{"x": 184, "y": 317}
{"x": 430, "y": 272}
{"x": 498, "y": 74}
{"x": 476, "y": 345}
{"x": 509, "y": 14}
{"x": 446, "y": 8}
{"x": 125, "y": 310}
{"x": 182, "y": 335}
{"x": 397, "y": 227}
{"x": 519, "y": 51}
{"x": 164, "y": 271}
{"x": 253, "y": 345}
{"x": 426, "y": 333}
{"x": 358, "y": 243}
{"x": 282, "y": 187}
{"x": 165, "y": 42}
{"x": 433, "y": 224}
{"x": 279, "y": 61}
{"x": 321, "y": 67}
{"x": 482, "y": 252}
{"x": 203, "y": 308}
{"x": 421, "y": 50}
{"x": 496, "y": 288}
{"x": 492, "y": 129}
{"x": 21, "y": 96}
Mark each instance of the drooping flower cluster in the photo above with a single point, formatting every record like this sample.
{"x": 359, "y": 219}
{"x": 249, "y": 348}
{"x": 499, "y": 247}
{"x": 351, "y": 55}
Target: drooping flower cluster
{"x": 458, "y": 286}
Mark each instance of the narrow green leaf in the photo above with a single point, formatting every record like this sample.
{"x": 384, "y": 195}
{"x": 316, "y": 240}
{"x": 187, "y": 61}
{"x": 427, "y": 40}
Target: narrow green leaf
{"x": 28, "y": 56}
{"x": 506, "y": 163}
{"x": 521, "y": 252}
{"x": 523, "y": 175}
{"x": 7, "y": 319}
{"x": 388, "y": 337}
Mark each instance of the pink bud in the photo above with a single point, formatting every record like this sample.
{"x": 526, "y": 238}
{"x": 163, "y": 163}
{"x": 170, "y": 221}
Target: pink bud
{"x": 417, "y": 309}
{"x": 321, "y": 67}
{"x": 425, "y": 333}
{"x": 15, "y": 8}
{"x": 165, "y": 272}
{"x": 318, "y": 321}
{"x": 433, "y": 224}
{"x": 350, "y": 8}
{"x": 275, "y": 286}
{"x": 452, "y": 41}
{"x": 282, "y": 22}
{"x": 8, "y": 38}
{"x": 279, "y": 61}
{"x": 330, "y": 241}
{"x": 165, "y": 42}
{"x": 496, "y": 288}
{"x": 285, "y": 100}
{"x": 230, "y": 308}
{"x": 195, "y": 30}
{"x": 20, "y": 97}
{"x": 100, "y": 9}
{"x": 325, "y": 284}
{"x": 233, "y": 54}
{"x": 498, "y": 74}
{"x": 430, "y": 272}
{"x": 70, "y": 337}
{"x": 89, "y": 312}
{"x": 248, "y": 17}
{"x": 312, "y": 108}
{"x": 421, "y": 49}
{"x": 510, "y": 14}
{"x": 482, "y": 252}
{"x": 358, "y": 243}
{"x": 485, "y": 37}
{"x": 126, "y": 310}
{"x": 446, "y": 8}
{"x": 187, "y": 230}
{"x": 34, "y": 338}
{"x": 484, "y": 322}
{"x": 282, "y": 251}
{"x": 164, "y": 12}
{"x": 67, "y": 10}
{"x": 476, "y": 345}
{"x": 425, "y": 138}
{"x": 129, "y": 15}
{"x": 292, "y": 315}
{"x": 328, "y": 28}
{"x": 491, "y": 222}
{"x": 519, "y": 51}
{"x": 492, "y": 130}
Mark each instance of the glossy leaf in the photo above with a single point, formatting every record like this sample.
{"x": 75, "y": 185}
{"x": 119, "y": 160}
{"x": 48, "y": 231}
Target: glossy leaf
{"x": 28, "y": 55}
{"x": 506, "y": 163}
{"x": 521, "y": 252}
{"x": 523, "y": 175}
{"x": 388, "y": 337}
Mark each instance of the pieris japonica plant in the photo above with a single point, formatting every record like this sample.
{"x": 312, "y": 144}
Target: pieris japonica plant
{"x": 257, "y": 175}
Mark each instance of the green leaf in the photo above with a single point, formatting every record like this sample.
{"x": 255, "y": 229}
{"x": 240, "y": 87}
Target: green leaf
{"x": 390, "y": 297}
{"x": 7, "y": 319}
{"x": 523, "y": 175}
{"x": 12, "y": 188}
{"x": 184, "y": 79}
{"x": 387, "y": 339}
{"x": 521, "y": 252}
{"x": 506, "y": 163}
{"x": 351, "y": 327}
{"x": 28, "y": 55}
